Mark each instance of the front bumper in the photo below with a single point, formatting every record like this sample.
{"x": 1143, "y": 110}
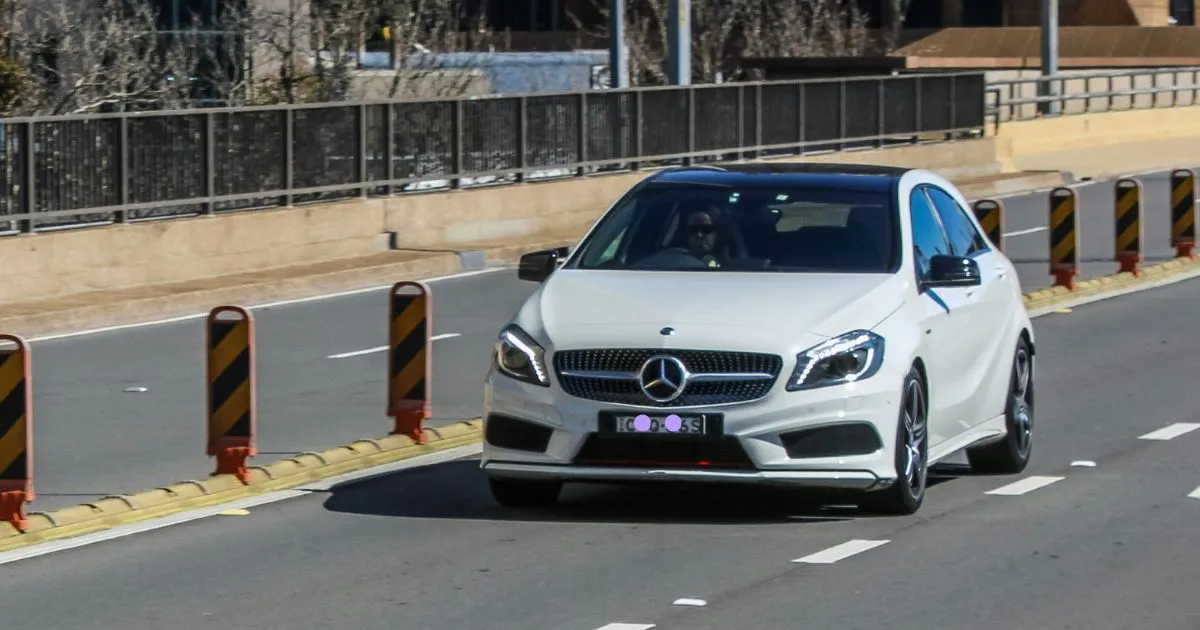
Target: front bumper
{"x": 840, "y": 437}
{"x": 848, "y": 480}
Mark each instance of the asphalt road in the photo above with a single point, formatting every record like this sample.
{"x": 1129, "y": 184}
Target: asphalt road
{"x": 1110, "y": 543}
{"x": 94, "y": 438}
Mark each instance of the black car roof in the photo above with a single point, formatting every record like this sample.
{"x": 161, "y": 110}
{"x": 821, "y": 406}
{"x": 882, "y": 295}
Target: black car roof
{"x": 864, "y": 177}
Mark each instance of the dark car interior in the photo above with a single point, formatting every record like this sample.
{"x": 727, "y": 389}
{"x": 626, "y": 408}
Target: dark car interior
{"x": 759, "y": 229}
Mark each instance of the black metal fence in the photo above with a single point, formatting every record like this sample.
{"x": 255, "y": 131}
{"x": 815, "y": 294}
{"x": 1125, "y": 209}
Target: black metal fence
{"x": 124, "y": 167}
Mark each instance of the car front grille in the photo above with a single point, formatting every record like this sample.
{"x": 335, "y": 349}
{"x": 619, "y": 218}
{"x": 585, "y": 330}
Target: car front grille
{"x": 609, "y": 375}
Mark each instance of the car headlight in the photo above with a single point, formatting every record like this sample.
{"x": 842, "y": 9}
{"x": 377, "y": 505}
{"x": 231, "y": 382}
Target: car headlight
{"x": 844, "y": 359}
{"x": 519, "y": 356}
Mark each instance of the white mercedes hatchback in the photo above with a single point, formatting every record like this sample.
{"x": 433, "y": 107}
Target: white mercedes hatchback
{"x": 820, "y": 325}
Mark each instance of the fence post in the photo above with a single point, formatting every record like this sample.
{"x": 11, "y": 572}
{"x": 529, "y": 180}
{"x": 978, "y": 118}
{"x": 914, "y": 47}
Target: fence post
{"x": 1064, "y": 237}
{"x": 410, "y": 357}
{"x": 990, "y": 214}
{"x": 1183, "y": 212}
{"x": 16, "y": 431}
{"x": 232, "y": 400}
{"x": 1128, "y": 220}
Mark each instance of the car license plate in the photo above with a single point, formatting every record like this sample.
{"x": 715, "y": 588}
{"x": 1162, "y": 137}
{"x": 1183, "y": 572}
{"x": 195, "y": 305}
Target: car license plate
{"x": 673, "y": 424}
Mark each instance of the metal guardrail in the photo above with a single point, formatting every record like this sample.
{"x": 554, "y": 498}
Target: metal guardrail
{"x": 1091, "y": 92}
{"x": 117, "y": 168}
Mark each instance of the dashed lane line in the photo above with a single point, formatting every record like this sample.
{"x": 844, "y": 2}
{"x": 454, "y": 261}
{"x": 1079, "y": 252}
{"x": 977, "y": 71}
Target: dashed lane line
{"x": 1171, "y": 431}
{"x": 359, "y": 353}
{"x": 1024, "y": 486}
{"x": 841, "y": 552}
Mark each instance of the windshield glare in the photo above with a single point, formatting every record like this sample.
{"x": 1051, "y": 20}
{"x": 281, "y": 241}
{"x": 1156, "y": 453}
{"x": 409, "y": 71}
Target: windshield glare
{"x": 673, "y": 227}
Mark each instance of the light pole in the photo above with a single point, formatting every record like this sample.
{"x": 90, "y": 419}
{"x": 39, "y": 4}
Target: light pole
{"x": 1046, "y": 88}
{"x": 679, "y": 41}
{"x": 618, "y": 54}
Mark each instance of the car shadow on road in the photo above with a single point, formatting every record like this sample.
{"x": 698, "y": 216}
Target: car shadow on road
{"x": 458, "y": 490}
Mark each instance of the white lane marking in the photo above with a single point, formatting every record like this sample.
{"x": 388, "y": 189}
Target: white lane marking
{"x": 1195, "y": 494}
{"x": 1171, "y": 431}
{"x": 359, "y": 353}
{"x": 1024, "y": 486}
{"x": 304, "y": 300}
{"x": 1083, "y": 463}
{"x": 684, "y": 601}
{"x": 842, "y": 551}
{"x": 272, "y": 497}
{"x": 1029, "y": 231}
{"x": 627, "y": 626}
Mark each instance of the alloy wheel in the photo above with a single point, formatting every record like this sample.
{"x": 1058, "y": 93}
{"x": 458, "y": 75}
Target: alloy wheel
{"x": 914, "y": 438}
{"x": 1022, "y": 403}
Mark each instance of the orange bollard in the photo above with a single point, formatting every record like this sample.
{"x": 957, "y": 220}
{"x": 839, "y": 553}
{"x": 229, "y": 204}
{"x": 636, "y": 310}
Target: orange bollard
{"x": 1183, "y": 212}
{"x": 1064, "y": 237}
{"x": 990, "y": 214}
{"x": 410, "y": 358}
{"x": 16, "y": 430}
{"x": 1128, "y": 216}
{"x": 232, "y": 401}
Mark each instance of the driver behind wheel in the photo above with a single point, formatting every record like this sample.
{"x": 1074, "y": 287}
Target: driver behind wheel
{"x": 703, "y": 235}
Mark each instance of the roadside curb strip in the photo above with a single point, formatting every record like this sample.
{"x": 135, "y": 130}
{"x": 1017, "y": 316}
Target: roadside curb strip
{"x": 1103, "y": 286}
{"x": 113, "y": 511}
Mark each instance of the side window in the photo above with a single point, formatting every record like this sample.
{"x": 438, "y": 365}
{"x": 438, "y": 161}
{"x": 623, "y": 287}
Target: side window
{"x": 928, "y": 238}
{"x": 964, "y": 238}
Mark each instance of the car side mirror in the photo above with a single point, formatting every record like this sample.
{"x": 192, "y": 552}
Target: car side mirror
{"x": 953, "y": 271}
{"x": 537, "y": 266}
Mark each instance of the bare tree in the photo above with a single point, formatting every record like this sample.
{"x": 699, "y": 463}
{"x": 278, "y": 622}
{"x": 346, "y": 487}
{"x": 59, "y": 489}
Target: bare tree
{"x": 103, "y": 55}
{"x": 302, "y": 50}
{"x": 723, "y": 31}
{"x": 14, "y": 77}
{"x": 897, "y": 11}
{"x": 805, "y": 28}
{"x": 419, "y": 32}
{"x": 714, "y": 25}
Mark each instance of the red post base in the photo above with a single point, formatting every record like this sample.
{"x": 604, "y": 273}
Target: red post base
{"x": 1185, "y": 250}
{"x": 12, "y": 509}
{"x": 1130, "y": 263}
{"x": 409, "y": 421}
{"x": 231, "y": 460}
{"x": 1065, "y": 278}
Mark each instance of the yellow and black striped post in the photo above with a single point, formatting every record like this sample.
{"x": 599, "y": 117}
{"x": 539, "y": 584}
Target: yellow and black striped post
{"x": 1064, "y": 236}
{"x": 16, "y": 430}
{"x": 1183, "y": 212}
{"x": 990, "y": 214}
{"x": 1129, "y": 233}
{"x": 410, "y": 357}
{"x": 232, "y": 400}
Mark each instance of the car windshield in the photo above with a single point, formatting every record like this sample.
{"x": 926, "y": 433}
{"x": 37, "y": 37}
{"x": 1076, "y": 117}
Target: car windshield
{"x": 680, "y": 227}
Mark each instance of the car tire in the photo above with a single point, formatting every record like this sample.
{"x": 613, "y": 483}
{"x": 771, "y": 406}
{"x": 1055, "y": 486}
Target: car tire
{"x": 1011, "y": 455}
{"x": 907, "y": 494}
{"x": 524, "y": 493}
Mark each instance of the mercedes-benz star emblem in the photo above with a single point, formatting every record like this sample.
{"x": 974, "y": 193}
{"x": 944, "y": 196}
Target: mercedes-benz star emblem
{"x": 663, "y": 378}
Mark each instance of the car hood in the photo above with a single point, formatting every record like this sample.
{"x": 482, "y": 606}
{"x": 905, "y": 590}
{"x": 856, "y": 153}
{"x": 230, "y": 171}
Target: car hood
{"x": 751, "y": 311}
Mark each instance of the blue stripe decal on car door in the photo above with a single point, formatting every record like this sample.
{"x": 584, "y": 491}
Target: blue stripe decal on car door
{"x": 937, "y": 298}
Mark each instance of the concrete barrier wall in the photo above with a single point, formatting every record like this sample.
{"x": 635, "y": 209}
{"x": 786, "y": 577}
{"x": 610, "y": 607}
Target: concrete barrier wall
{"x": 1095, "y": 145}
{"x": 57, "y": 264}
{"x": 1082, "y": 83}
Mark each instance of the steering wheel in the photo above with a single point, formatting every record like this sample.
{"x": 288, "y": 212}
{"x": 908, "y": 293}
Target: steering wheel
{"x": 671, "y": 257}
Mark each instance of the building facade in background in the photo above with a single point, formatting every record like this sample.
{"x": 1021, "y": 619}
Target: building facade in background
{"x": 564, "y": 16}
